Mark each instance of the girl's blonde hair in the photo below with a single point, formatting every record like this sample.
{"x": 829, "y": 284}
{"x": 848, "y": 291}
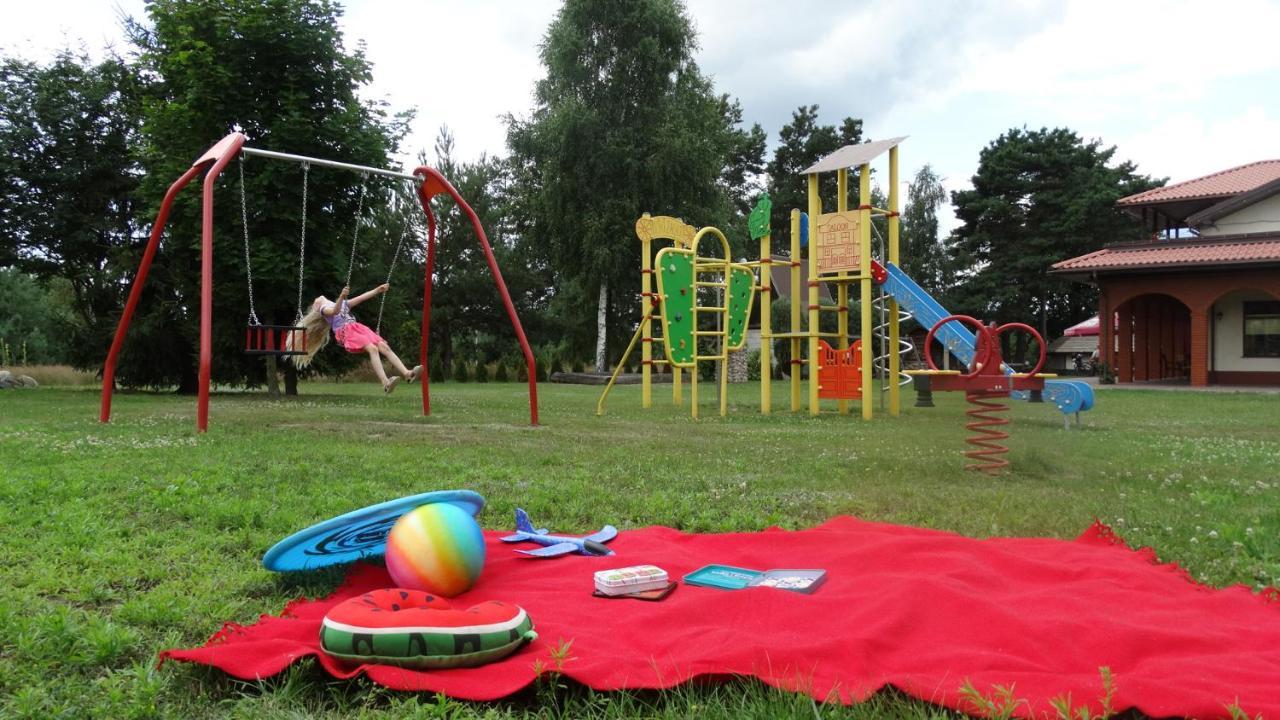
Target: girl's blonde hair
{"x": 317, "y": 332}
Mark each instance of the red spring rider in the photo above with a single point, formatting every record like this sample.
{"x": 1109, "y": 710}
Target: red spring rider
{"x": 984, "y": 385}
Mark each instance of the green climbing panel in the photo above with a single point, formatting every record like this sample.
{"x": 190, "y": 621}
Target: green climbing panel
{"x": 742, "y": 290}
{"x": 675, "y": 287}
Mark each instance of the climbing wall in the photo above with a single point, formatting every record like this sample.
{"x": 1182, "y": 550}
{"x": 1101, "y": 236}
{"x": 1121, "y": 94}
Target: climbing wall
{"x": 742, "y": 291}
{"x": 675, "y": 287}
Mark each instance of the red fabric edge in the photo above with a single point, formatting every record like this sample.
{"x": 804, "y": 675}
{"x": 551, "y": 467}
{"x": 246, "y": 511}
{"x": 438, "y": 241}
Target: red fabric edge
{"x": 1103, "y": 535}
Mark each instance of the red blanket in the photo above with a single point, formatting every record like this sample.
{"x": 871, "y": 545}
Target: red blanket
{"x": 922, "y": 610}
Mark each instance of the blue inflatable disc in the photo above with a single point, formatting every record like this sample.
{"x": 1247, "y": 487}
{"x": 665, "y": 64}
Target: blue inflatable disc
{"x": 356, "y": 535}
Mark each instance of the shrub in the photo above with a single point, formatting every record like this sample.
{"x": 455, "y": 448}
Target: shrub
{"x": 459, "y": 370}
{"x": 541, "y": 370}
{"x": 500, "y": 375}
{"x": 555, "y": 367}
{"x": 578, "y": 366}
{"x": 437, "y": 373}
{"x": 753, "y": 365}
{"x": 482, "y": 372}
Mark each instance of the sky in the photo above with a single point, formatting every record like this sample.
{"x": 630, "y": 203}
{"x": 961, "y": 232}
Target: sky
{"x": 1182, "y": 88}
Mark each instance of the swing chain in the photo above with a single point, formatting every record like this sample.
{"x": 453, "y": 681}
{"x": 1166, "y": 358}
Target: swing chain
{"x": 408, "y": 228}
{"x": 355, "y": 233}
{"x": 302, "y": 241}
{"x": 244, "y": 225}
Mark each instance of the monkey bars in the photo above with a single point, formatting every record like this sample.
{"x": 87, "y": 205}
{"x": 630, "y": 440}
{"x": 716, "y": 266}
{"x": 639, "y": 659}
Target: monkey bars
{"x": 212, "y": 163}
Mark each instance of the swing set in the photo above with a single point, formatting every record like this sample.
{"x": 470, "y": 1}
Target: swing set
{"x": 284, "y": 340}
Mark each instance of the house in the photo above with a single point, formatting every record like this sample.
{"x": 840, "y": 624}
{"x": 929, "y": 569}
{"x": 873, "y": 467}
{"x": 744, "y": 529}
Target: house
{"x": 1200, "y": 302}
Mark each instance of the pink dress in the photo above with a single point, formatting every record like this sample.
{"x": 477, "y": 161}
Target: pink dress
{"x": 352, "y": 334}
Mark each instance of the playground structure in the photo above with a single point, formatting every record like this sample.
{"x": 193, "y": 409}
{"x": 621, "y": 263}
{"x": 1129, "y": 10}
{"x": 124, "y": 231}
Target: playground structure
{"x": 835, "y": 248}
{"x": 984, "y": 385}
{"x": 270, "y": 339}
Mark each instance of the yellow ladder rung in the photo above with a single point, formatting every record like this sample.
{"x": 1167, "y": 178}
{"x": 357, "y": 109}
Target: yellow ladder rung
{"x": 708, "y": 333}
{"x": 709, "y": 308}
{"x": 716, "y": 283}
{"x": 710, "y": 357}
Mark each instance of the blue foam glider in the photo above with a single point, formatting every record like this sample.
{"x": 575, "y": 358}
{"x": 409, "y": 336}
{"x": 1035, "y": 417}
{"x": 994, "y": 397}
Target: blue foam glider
{"x": 557, "y": 545}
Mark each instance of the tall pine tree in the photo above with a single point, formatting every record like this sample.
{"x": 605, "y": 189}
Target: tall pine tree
{"x": 1040, "y": 196}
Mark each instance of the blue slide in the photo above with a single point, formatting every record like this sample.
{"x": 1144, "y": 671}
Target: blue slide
{"x": 1070, "y": 396}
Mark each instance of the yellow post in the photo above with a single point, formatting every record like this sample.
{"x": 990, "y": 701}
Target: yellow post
{"x": 794, "y": 369}
{"x": 864, "y": 268}
{"x": 842, "y": 289}
{"x": 766, "y": 300}
{"x": 895, "y": 357}
{"x": 646, "y": 324}
{"x": 693, "y": 379}
{"x": 815, "y": 209}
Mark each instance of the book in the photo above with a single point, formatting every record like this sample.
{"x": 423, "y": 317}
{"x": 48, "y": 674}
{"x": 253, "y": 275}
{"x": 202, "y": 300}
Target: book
{"x": 727, "y": 577}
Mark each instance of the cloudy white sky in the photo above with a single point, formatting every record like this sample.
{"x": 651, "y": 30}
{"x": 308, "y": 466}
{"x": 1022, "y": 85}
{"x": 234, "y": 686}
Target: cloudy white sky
{"x": 1181, "y": 87}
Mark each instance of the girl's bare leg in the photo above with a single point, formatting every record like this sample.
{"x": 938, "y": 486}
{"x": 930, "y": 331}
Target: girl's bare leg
{"x": 376, "y": 362}
{"x": 390, "y": 354}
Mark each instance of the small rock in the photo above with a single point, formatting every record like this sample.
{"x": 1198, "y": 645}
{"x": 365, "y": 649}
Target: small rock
{"x": 6, "y": 379}
{"x": 27, "y": 381}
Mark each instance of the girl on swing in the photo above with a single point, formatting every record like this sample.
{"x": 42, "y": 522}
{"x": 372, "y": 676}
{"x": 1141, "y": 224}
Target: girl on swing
{"x": 355, "y": 336}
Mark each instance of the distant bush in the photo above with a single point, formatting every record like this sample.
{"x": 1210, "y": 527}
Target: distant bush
{"x": 482, "y": 372}
{"x": 555, "y": 366}
{"x": 459, "y": 370}
{"x": 501, "y": 375}
{"x": 437, "y": 373}
{"x": 753, "y": 365}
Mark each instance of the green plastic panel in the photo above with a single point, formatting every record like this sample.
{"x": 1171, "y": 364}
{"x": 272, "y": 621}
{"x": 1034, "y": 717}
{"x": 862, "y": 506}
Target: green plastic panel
{"x": 758, "y": 221}
{"x": 675, "y": 286}
{"x": 742, "y": 290}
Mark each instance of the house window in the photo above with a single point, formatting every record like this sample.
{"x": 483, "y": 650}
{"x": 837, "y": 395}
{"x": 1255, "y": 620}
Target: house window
{"x": 1262, "y": 329}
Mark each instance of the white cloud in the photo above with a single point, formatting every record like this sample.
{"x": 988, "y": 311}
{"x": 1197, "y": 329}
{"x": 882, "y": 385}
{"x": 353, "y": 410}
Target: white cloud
{"x": 1182, "y": 87}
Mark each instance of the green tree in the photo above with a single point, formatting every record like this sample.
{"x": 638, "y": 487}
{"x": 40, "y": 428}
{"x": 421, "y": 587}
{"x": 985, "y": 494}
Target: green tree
{"x": 1039, "y": 196}
{"x": 67, "y": 182}
{"x": 29, "y": 318}
{"x": 801, "y": 143}
{"x": 277, "y": 70}
{"x": 624, "y": 123}
{"x": 925, "y": 255}
{"x": 467, "y": 313}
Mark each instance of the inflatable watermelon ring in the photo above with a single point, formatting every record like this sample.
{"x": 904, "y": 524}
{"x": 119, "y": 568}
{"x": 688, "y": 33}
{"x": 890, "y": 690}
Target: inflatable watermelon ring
{"x": 413, "y": 629}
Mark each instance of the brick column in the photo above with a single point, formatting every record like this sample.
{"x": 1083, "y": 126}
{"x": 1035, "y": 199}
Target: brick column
{"x": 1124, "y": 357}
{"x": 1200, "y": 347}
{"x": 1106, "y": 344}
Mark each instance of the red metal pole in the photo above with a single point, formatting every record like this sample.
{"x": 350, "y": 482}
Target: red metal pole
{"x": 426, "y": 302}
{"x": 122, "y": 329}
{"x": 435, "y": 183}
{"x": 206, "y": 279}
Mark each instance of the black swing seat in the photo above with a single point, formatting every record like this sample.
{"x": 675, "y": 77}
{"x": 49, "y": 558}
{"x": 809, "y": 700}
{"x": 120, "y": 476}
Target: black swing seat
{"x": 274, "y": 340}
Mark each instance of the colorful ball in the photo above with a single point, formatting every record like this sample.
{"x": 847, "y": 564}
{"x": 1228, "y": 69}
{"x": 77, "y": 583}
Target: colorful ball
{"x": 437, "y": 548}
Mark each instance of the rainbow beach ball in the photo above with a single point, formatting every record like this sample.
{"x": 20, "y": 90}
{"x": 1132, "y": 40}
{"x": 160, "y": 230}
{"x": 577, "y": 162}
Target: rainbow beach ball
{"x": 437, "y": 548}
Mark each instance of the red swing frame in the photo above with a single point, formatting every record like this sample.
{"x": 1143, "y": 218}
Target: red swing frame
{"x": 212, "y": 163}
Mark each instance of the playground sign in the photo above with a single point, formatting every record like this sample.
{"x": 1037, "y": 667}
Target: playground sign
{"x": 837, "y": 244}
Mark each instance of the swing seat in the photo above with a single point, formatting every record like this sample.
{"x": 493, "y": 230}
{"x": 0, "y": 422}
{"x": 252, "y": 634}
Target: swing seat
{"x": 274, "y": 340}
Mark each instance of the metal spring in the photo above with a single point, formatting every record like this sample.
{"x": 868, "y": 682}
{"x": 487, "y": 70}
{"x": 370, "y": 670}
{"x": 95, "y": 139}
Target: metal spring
{"x": 988, "y": 452}
{"x": 880, "y": 361}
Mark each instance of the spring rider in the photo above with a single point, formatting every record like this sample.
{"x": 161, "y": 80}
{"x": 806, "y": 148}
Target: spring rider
{"x": 985, "y": 385}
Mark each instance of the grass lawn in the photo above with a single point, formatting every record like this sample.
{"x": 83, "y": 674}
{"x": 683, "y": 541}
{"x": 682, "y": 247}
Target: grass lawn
{"x": 124, "y": 539}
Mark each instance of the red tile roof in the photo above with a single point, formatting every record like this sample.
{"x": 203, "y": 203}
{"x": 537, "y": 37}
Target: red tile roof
{"x": 1175, "y": 253}
{"x": 1224, "y": 183}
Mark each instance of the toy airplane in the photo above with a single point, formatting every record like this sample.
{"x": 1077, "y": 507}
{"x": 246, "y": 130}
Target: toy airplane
{"x": 557, "y": 545}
